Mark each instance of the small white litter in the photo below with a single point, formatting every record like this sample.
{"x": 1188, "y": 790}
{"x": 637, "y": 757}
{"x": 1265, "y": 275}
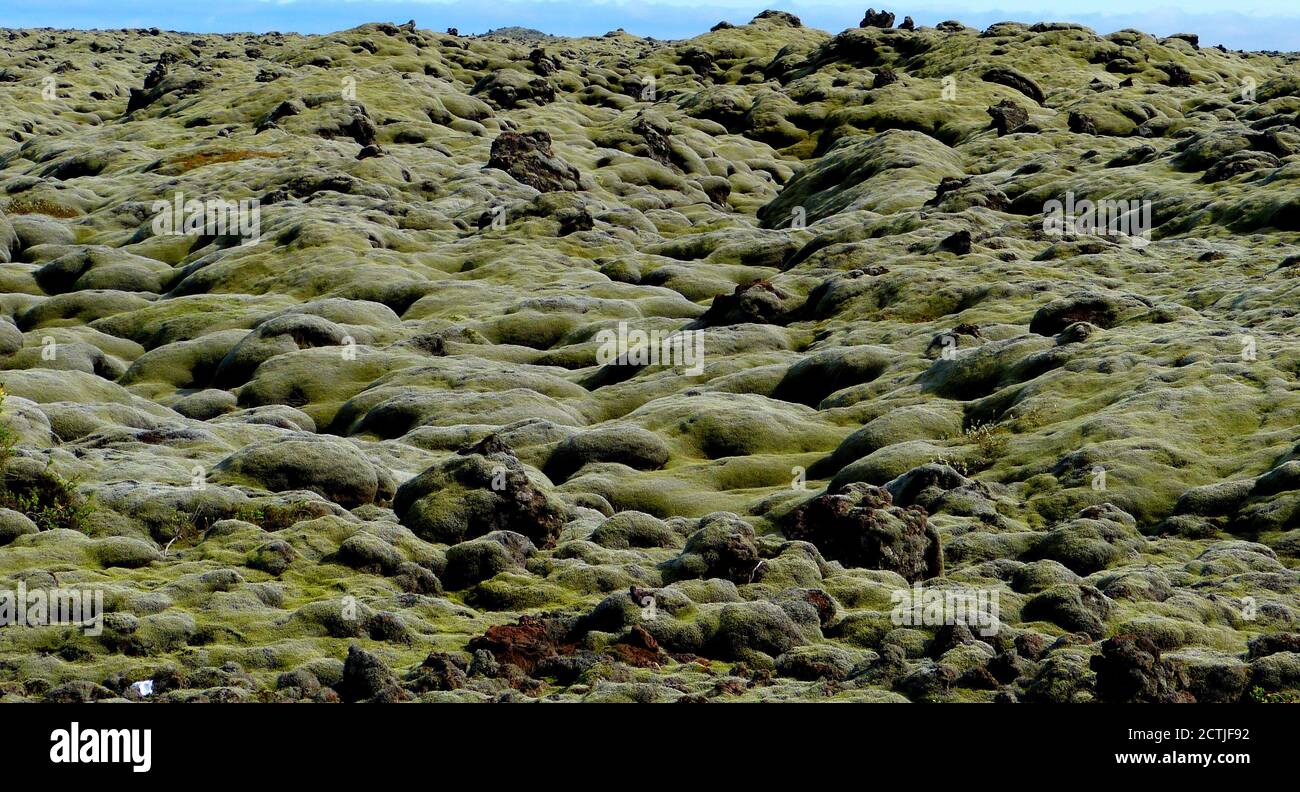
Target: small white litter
{"x": 143, "y": 687}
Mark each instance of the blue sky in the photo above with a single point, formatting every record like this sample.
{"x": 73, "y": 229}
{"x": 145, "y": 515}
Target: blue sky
{"x": 1251, "y": 24}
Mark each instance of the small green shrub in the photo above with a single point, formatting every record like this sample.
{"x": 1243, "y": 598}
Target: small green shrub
{"x": 991, "y": 440}
{"x": 7, "y": 438}
{"x": 1261, "y": 696}
{"x": 50, "y": 501}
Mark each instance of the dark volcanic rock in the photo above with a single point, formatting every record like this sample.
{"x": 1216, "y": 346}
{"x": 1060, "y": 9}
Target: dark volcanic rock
{"x": 859, "y": 526}
{"x": 528, "y": 158}
{"x": 783, "y": 17}
{"x": 655, "y": 131}
{"x": 367, "y": 678}
{"x": 877, "y": 19}
{"x": 1014, "y": 79}
{"x": 1240, "y": 162}
{"x": 959, "y": 243}
{"x": 1179, "y": 76}
{"x": 525, "y": 643}
{"x": 1082, "y": 123}
{"x": 1008, "y": 117}
{"x": 1130, "y": 670}
{"x": 759, "y": 302}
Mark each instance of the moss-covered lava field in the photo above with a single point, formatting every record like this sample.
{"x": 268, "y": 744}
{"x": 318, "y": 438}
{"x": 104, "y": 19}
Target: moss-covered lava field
{"x": 378, "y": 437}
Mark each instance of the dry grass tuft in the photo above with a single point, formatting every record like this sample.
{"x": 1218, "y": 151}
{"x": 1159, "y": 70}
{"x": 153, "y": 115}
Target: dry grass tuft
{"x": 205, "y": 158}
{"x": 25, "y": 206}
